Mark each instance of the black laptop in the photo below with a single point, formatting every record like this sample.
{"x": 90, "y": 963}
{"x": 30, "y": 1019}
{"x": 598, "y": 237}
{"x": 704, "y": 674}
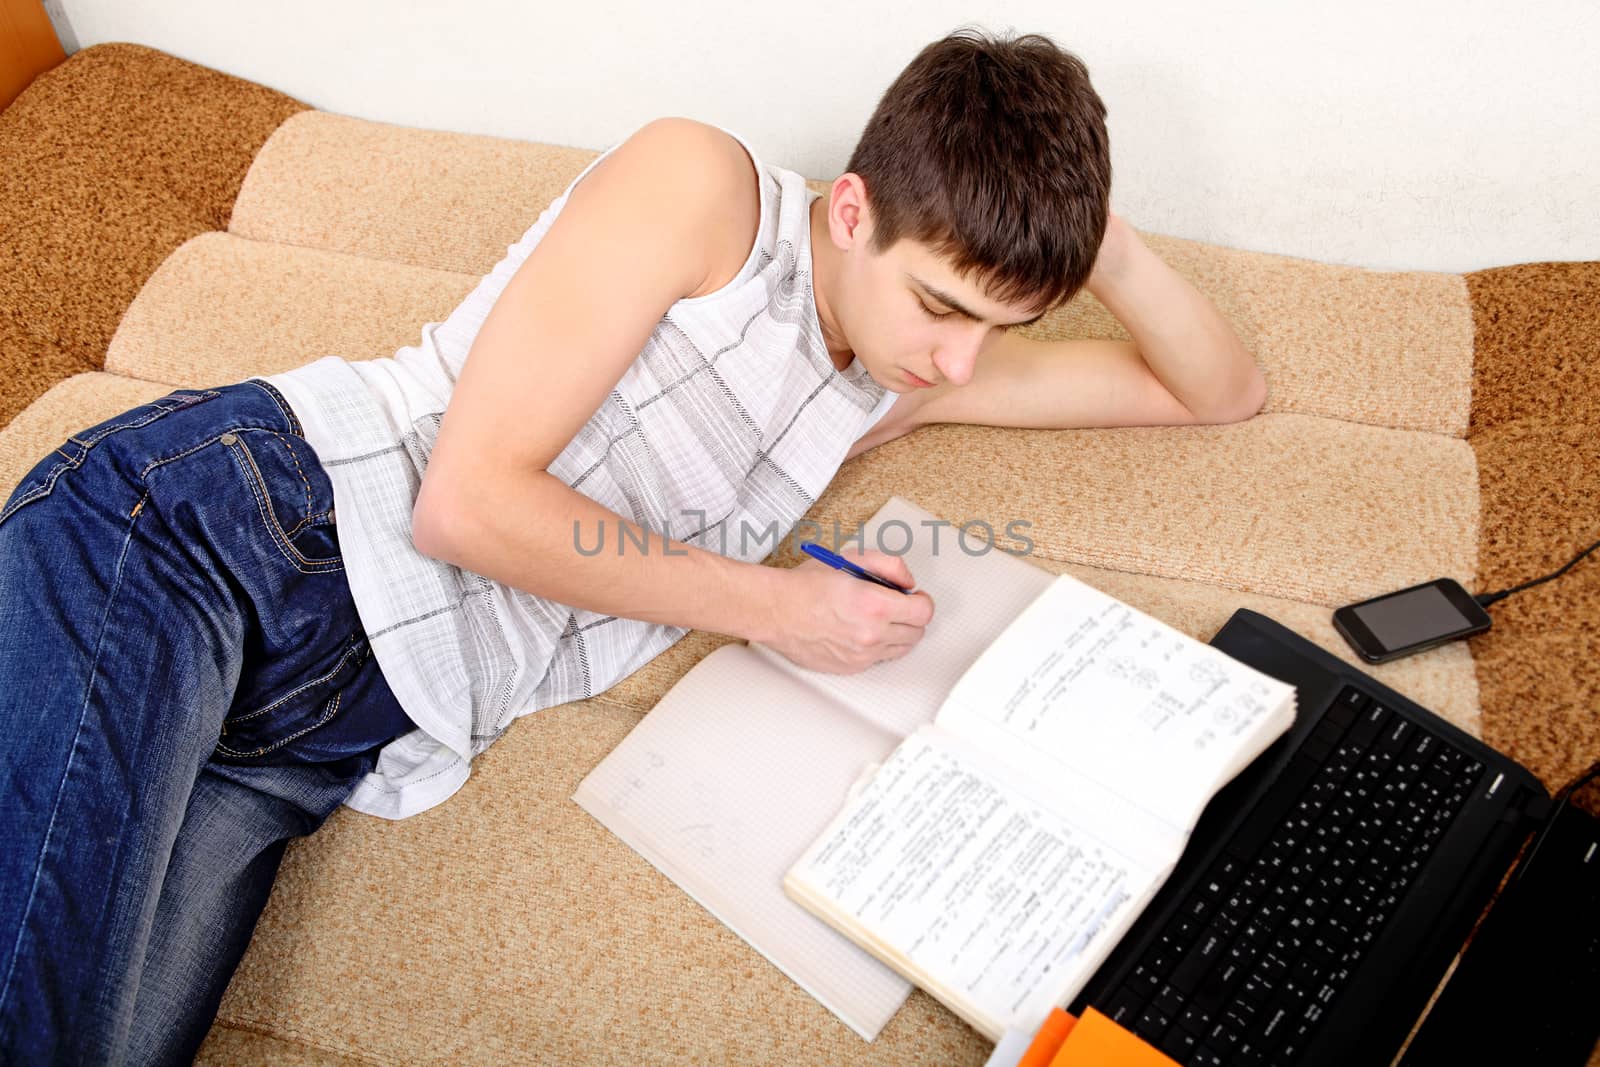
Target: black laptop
{"x": 1329, "y": 887}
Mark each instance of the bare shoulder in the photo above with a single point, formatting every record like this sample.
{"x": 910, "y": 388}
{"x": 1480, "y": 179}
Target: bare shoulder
{"x": 712, "y": 176}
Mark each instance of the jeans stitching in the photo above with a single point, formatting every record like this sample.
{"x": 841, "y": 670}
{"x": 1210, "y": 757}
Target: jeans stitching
{"x": 283, "y": 405}
{"x": 337, "y": 667}
{"x": 256, "y": 488}
{"x": 295, "y": 557}
{"x": 302, "y": 473}
{"x": 42, "y": 489}
{"x": 263, "y": 502}
{"x": 47, "y": 485}
{"x": 308, "y": 520}
{"x": 329, "y": 710}
{"x": 153, "y": 464}
{"x": 161, "y": 411}
{"x": 44, "y": 848}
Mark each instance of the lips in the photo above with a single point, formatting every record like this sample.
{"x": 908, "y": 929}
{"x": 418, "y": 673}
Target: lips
{"x": 920, "y": 382}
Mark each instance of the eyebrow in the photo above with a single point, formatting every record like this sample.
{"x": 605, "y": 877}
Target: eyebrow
{"x": 955, "y": 305}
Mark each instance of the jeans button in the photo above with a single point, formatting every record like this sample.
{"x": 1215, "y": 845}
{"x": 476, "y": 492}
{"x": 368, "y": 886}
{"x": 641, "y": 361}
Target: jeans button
{"x": 227, "y": 439}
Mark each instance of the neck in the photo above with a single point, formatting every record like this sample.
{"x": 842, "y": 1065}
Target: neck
{"x": 824, "y": 271}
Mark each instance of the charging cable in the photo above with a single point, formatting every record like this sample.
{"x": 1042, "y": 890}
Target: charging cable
{"x": 1486, "y": 599}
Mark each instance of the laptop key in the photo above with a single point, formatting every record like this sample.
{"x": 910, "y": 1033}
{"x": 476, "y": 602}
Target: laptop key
{"x": 1179, "y": 1044}
{"x": 1169, "y": 1002}
{"x": 1225, "y": 871}
{"x": 1206, "y": 951}
{"x": 1248, "y": 1054}
{"x": 1161, "y": 963}
{"x": 1237, "y": 1016}
{"x": 1347, "y": 707}
{"x": 1323, "y": 740}
{"x": 1267, "y": 940}
{"x": 1264, "y": 818}
{"x": 1424, "y": 746}
{"x": 1199, "y": 908}
{"x": 1243, "y": 952}
{"x": 1397, "y": 736}
{"x": 1306, "y": 970}
{"x": 1142, "y": 981}
{"x": 1367, "y": 727}
{"x": 1125, "y": 1008}
{"x": 1276, "y": 1022}
{"x": 1255, "y": 989}
{"x": 1440, "y": 776}
{"x": 1151, "y": 1025}
{"x": 1195, "y": 1019}
{"x": 1223, "y": 1037}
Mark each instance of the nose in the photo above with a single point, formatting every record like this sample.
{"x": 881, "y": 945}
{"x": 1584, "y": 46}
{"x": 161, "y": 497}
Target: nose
{"x": 957, "y": 362}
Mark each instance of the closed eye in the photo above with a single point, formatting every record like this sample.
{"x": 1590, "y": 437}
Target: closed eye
{"x": 932, "y": 314}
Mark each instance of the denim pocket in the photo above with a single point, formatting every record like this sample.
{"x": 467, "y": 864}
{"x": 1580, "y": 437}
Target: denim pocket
{"x": 38, "y": 482}
{"x": 309, "y": 704}
{"x": 292, "y": 495}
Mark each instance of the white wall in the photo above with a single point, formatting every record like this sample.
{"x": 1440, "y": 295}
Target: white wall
{"x": 1402, "y": 134}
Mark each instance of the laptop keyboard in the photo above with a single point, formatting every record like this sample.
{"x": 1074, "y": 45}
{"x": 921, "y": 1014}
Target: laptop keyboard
{"x": 1247, "y": 967}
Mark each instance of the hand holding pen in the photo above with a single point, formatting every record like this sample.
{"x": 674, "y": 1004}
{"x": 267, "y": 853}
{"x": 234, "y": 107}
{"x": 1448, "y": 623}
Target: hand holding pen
{"x": 837, "y": 627}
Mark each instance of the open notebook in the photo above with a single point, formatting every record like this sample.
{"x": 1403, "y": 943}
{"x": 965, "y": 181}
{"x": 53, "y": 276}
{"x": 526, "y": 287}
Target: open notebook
{"x": 1000, "y": 852}
{"x": 748, "y": 761}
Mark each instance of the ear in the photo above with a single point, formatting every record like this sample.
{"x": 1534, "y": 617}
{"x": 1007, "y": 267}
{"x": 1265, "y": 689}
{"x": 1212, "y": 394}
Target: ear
{"x": 849, "y": 214}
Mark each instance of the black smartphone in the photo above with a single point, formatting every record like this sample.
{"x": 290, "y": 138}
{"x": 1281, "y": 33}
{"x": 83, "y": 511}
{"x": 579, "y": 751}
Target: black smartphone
{"x": 1398, "y": 624}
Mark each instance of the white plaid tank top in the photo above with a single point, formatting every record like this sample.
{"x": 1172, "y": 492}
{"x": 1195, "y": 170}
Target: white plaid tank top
{"x": 733, "y": 409}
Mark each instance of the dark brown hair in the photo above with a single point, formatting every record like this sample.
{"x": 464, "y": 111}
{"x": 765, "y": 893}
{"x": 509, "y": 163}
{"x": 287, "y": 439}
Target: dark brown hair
{"x": 993, "y": 152}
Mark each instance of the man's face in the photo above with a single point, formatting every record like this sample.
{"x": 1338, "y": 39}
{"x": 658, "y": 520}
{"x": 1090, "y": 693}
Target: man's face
{"x": 907, "y": 313}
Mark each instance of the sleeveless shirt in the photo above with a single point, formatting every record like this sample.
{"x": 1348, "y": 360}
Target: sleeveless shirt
{"x": 722, "y": 433}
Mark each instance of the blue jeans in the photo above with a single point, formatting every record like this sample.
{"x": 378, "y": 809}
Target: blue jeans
{"x": 184, "y": 686}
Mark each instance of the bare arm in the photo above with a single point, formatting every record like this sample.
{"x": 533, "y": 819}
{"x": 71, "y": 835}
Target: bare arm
{"x": 530, "y": 540}
{"x": 1184, "y": 366}
{"x": 564, "y": 330}
{"x": 1180, "y": 333}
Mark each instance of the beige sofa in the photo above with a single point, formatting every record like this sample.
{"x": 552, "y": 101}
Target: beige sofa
{"x": 164, "y": 226}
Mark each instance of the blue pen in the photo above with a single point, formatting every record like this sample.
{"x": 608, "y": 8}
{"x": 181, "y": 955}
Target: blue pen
{"x": 839, "y": 563}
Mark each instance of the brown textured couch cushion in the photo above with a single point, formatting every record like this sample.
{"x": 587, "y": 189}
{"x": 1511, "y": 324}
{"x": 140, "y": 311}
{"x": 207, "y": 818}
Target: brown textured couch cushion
{"x": 107, "y": 163}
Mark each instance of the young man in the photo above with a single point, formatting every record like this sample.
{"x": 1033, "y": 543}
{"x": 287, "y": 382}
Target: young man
{"x": 977, "y": 198}
{"x": 683, "y": 348}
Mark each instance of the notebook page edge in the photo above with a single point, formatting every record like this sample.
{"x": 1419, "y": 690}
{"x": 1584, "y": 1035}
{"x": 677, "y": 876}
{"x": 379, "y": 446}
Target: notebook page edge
{"x": 868, "y": 1023}
{"x": 735, "y": 786}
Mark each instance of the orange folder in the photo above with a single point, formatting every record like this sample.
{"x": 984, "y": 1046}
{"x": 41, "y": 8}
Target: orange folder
{"x": 1092, "y": 1040}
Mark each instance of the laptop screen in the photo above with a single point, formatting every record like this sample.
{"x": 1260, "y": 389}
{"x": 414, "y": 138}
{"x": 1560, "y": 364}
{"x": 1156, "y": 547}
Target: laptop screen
{"x": 1526, "y": 989}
